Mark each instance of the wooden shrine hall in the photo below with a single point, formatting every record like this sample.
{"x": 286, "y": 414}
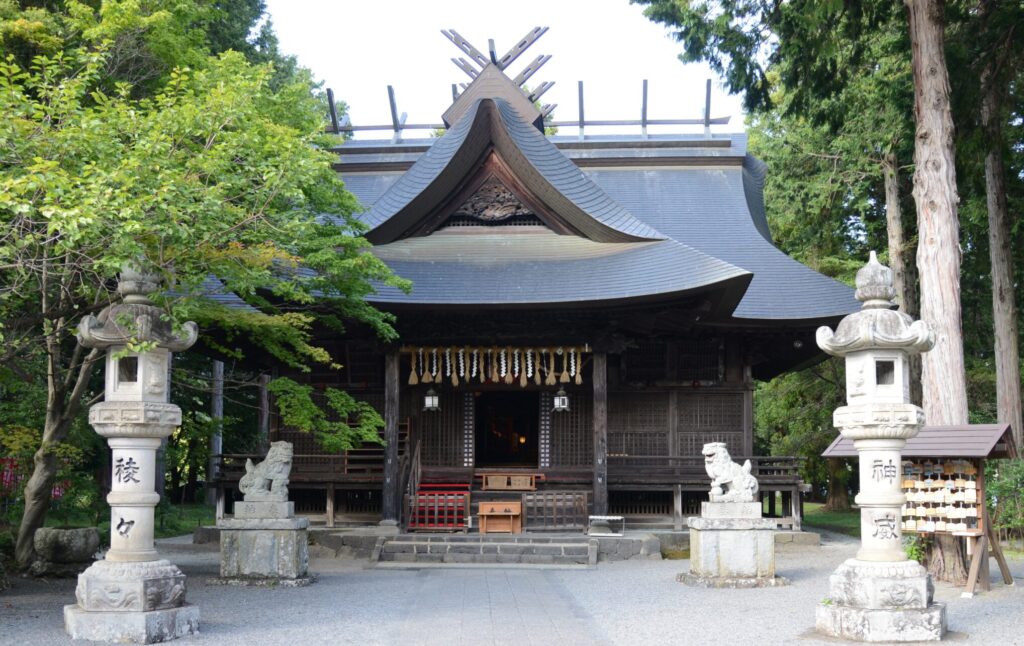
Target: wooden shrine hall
{"x": 587, "y": 311}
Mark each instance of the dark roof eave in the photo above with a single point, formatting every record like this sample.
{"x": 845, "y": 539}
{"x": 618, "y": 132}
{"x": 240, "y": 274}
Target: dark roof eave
{"x": 723, "y": 296}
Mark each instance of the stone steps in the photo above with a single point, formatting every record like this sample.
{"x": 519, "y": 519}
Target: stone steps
{"x": 504, "y": 550}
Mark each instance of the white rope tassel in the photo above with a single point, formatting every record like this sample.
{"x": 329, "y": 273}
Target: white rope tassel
{"x": 529, "y": 362}
{"x": 447, "y": 362}
{"x": 433, "y": 365}
{"x": 476, "y": 362}
{"x": 462, "y": 362}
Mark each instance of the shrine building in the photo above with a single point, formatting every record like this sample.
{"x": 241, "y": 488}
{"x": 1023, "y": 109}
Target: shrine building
{"x": 587, "y": 311}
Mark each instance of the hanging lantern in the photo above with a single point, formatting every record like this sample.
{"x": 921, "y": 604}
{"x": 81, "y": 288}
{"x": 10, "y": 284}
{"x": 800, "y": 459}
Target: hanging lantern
{"x": 431, "y": 402}
{"x": 561, "y": 401}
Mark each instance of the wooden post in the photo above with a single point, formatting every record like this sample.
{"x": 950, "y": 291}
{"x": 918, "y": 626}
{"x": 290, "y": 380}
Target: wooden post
{"x": 771, "y": 503}
{"x": 389, "y": 493}
{"x": 217, "y": 439}
{"x": 600, "y": 364}
{"x": 677, "y": 508}
{"x": 330, "y": 504}
{"x": 263, "y": 421}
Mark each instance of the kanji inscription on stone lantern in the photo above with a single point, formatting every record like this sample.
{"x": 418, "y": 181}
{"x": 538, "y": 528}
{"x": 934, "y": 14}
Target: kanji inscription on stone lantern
{"x": 879, "y": 596}
{"x": 132, "y": 595}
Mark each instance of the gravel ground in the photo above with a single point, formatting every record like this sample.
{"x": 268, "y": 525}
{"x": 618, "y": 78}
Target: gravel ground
{"x": 628, "y": 602}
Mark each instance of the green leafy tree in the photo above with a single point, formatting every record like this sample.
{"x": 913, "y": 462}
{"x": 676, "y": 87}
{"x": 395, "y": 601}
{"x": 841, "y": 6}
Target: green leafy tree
{"x": 215, "y": 174}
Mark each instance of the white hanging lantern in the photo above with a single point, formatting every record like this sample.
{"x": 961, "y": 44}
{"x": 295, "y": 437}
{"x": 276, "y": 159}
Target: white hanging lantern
{"x": 431, "y": 401}
{"x": 561, "y": 401}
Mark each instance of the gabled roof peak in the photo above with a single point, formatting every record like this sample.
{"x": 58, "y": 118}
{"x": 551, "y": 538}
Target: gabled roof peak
{"x": 489, "y": 81}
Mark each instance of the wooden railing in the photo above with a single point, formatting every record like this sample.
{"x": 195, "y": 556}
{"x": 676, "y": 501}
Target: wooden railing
{"x": 411, "y": 475}
{"x": 658, "y": 469}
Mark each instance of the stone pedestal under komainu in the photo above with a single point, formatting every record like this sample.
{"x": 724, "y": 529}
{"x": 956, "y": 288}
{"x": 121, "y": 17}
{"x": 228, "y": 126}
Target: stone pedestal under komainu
{"x": 731, "y": 545}
{"x": 264, "y": 543}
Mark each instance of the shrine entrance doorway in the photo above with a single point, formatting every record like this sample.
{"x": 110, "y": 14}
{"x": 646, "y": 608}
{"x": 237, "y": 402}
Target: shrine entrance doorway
{"x": 507, "y": 428}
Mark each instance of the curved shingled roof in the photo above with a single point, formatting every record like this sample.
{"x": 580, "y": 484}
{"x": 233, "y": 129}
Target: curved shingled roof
{"x": 536, "y": 162}
{"x": 480, "y": 267}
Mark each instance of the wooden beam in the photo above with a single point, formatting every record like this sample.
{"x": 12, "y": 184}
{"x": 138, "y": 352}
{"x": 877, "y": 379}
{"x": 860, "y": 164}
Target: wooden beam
{"x": 643, "y": 112}
{"x": 389, "y": 489}
{"x": 707, "y": 107}
{"x": 490, "y": 50}
{"x": 600, "y": 417}
{"x": 263, "y": 419}
{"x": 466, "y": 47}
{"x": 581, "y": 120}
{"x": 333, "y": 111}
{"x": 521, "y": 47}
{"x": 464, "y": 65}
{"x": 541, "y": 89}
{"x": 531, "y": 69}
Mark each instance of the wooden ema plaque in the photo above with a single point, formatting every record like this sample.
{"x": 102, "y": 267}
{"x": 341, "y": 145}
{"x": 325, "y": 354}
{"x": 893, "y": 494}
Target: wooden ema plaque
{"x": 943, "y": 496}
{"x": 501, "y": 517}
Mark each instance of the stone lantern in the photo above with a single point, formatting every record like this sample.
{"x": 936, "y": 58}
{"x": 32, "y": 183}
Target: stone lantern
{"x": 133, "y": 595}
{"x": 879, "y": 596}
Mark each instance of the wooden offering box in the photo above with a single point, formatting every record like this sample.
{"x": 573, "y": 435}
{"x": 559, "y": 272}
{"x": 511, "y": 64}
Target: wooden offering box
{"x": 501, "y": 517}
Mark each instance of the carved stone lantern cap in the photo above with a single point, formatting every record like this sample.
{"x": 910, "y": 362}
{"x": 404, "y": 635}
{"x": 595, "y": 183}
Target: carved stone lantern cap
{"x": 136, "y": 319}
{"x": 877, "y": 326}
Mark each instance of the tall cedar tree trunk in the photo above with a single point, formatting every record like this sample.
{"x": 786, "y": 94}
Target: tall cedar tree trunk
{"x": 838, "y": 497}
{"x": 903, "y": 275}
{"x": 63, "y": 402}
{"x": 1004, "y": 305}
{"x": 944, "y": 381}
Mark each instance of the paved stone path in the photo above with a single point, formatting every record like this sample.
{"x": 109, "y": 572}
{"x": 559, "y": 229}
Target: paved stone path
{"x": 627, "y": 602}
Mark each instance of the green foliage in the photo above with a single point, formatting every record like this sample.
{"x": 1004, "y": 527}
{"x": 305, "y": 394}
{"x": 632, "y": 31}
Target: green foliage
{"x": 346, "y": 424}
{"x": 1004, "y": 481}
{"x": 916, "y": 547}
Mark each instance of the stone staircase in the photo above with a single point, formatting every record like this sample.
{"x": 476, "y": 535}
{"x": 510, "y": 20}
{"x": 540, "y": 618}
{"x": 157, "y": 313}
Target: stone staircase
{"x": 467, "y": 549}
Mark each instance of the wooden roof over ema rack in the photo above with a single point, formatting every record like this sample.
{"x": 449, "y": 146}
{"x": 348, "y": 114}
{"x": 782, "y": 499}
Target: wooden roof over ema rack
{"x": 964, "y": 441}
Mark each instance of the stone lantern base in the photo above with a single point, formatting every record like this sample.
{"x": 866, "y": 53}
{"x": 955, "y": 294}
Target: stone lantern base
{"x": 881, "y": 602}
{"x": 141, "y": 602}
{"x": 731, "y": 546}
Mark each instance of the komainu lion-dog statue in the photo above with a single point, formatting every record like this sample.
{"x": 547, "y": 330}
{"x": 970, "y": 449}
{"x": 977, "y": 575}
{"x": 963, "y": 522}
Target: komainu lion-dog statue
{"x": 268, "y": 480}
{"x": 730, "y": 482}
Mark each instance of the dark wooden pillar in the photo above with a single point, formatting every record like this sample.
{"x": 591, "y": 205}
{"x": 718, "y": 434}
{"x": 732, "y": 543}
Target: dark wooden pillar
{"x": 263, "y": 421}
{"x": 389, "y": 493}
{"x": 600, "y": 434}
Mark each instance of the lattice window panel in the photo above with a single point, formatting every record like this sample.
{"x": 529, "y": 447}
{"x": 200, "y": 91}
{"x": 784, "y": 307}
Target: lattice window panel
{"x": 701, "y": 360}
{"x": 638, "y": 424}
{"x": 441, "y": 432}
{"x": 468, "y": 428}
{"x": 572, "y": 432}
{"x": 544, "y": 430}
{"x": 710, "y": 417}
{"x": 364, "y": 366}
{"x": 645, "y": 363}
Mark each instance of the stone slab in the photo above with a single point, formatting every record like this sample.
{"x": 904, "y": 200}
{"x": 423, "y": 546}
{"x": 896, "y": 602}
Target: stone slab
{"x": 263, "y": 582}
{"x": 265, "y": 509}
{"x": 275, "y": 554}
{"x": 732, "y": 554}
{"x": 731, "y": 582}
{"x": 731, "y": 524}
{"x": 881, "y": 625}
{"x": 263, "y": 523}
{"x": 730, "y": 509}
{"x": 138, "y": 627}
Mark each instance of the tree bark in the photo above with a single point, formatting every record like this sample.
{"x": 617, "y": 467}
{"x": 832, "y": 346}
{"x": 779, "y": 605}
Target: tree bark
{"x": 903, "y": 276}
{"x": 838, "y": 497}
{"x": 1004, "y": 304}
{"x": 943, "y": 376}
